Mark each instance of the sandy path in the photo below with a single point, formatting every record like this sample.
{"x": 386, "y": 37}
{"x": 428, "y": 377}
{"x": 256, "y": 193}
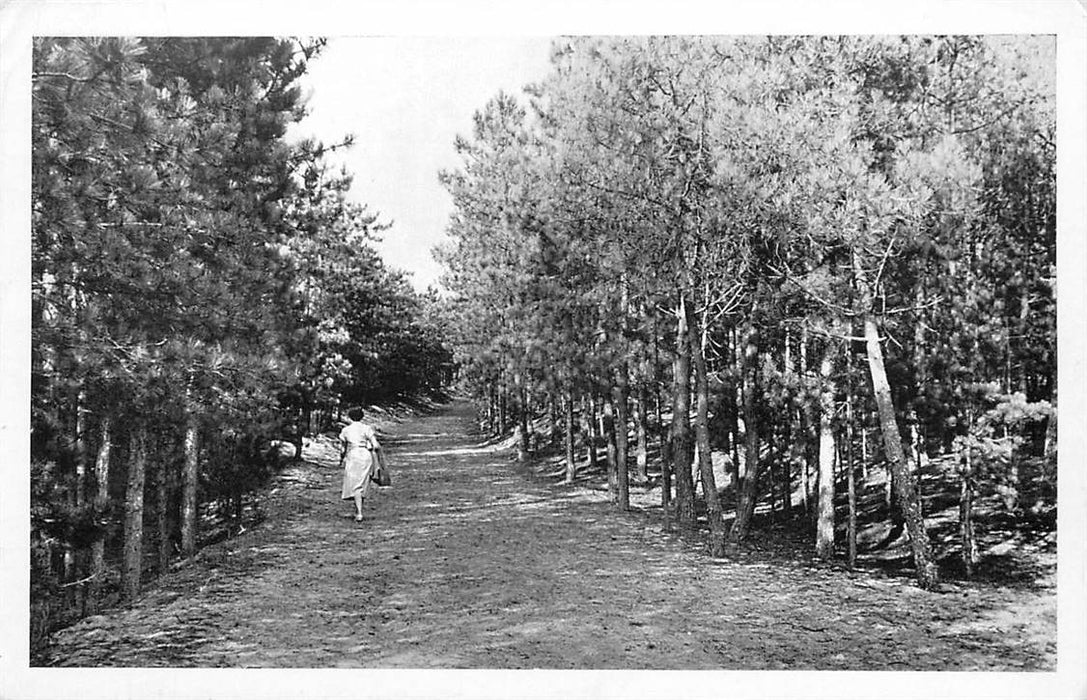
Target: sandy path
{"x": 471, "y": 562}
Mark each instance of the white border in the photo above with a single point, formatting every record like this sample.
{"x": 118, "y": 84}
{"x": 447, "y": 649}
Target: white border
{"x": 22, "y": 19}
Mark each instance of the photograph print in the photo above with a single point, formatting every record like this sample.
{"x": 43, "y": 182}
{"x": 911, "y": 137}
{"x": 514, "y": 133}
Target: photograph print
{"x": 595, "y": 352}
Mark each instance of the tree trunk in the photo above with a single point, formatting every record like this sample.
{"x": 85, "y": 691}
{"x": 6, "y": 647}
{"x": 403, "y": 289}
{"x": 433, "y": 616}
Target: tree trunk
{"x": 133, "y": 525}
{"x": 749, "y": 485}
{"x": 664, "y": 440}
{"x": 101, "y": 500}
{"x": 662, "y": 434}
{"x": 732, "y": 416}
{"x": 555, "y": 411}
{"x": 307, "y": 415}
{"x": 851, "y": 524}
{"x": 864, "y": 449}
{"x": 805, "y": 492}
{"x": 702, "y": 436}
{"x": 789, "y": 431}
{"x": 492, "y": 409}
{"x": 641, "y": 432}
{"x": 80, "y": 448}
{"x": 190, "y": 480}
{"x": 909, "y": 503}
{"x": 787, "y": 472}
{"x": 487, "y": 411}
{"x": 1050, "y": 446}
{"x": 824, "y": 531}
{"x": 594, "y": 436}
{"x": 162, "y": 522}
{"x": 905, "y": 489}
{"x": 72, "y": 557}
{"x": 851, "y": 482}
{"x": 621, "y": 391}
{"x": 296, "y": 436}
{"x": 621, "y": 438}
{"x": 571, "y": 466}
{"x": 666, "y": 475}
{"x": 613, "y": 448}
{"x": 1007, "y": 333}
{"x": 787, "y": 352}
{"x": 524, "y": 437}
{"x": 503, "y": 409}
{"x": 681, "y": 422}
{"x": 772, "y": 465}
{"x": 808, "y": 429}
{"x": 916, "y": 452}
{"x": 966, "y": 518}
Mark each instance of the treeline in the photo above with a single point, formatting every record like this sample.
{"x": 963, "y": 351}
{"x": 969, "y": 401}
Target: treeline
{"x": 801, "y": 255}
{"x": 201, "y": 285}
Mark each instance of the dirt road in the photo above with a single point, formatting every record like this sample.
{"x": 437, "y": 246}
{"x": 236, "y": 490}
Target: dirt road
{"x": 472, "y": 562}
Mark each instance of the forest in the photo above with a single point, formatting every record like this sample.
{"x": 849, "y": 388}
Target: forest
{"x": 774, "y": 274}
{"x": 780, "y": 284}
{"x": 202, "y": 286}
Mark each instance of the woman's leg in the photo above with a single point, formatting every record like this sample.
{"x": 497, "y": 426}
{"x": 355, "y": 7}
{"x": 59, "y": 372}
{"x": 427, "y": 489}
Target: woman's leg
{"x": 358, "y": 505}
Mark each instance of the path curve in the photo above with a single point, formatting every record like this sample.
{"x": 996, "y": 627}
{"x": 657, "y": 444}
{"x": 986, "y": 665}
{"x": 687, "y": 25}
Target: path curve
{"x": 471, "y": 562}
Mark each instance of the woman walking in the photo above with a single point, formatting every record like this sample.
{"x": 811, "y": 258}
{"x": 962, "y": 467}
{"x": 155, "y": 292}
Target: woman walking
{"x": 358, "y": 455}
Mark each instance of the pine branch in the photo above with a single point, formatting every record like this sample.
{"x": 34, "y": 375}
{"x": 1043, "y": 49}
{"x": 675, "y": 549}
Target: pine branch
{"x": 883, "y": 260}
{"x": 80, "y": 582}
{"x": 994, "y": 120}
{"x": 622, "y": 193}
{"x": 916, "y": 307}
{"x": 60, "y": 74}
{"x": 828, "y": 304}
{"x": 825, "y": 333}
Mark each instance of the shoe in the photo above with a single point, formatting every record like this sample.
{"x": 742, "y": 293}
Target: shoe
{"x": 358, "y": 518}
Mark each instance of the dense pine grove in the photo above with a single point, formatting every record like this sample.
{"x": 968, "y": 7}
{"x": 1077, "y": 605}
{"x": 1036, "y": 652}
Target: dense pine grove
{"x": 202, "y": 286}
{"x": 785, "y": 266}
{"x": 802, "y": 280}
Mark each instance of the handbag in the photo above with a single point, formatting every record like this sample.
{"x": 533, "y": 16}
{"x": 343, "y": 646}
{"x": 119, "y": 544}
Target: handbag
{"x": 380, "y": 475}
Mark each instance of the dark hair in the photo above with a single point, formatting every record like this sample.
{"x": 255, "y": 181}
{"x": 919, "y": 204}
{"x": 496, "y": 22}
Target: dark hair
{"x": 355, "y": 413}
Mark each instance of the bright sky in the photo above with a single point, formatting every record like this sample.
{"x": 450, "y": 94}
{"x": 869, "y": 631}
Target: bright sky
{"x": 405, "y": 99}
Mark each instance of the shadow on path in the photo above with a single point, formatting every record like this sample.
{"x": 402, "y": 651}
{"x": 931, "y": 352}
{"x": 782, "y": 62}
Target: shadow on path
{"x": 468, "y": 563}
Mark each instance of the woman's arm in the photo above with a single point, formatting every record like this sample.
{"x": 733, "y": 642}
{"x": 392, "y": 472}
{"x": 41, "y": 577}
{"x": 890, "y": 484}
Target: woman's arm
{"x": 375, "y": 448}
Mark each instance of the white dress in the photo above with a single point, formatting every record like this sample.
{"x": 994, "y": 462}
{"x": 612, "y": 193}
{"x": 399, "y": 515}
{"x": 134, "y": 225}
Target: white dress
{"x": 359, "y": 440}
